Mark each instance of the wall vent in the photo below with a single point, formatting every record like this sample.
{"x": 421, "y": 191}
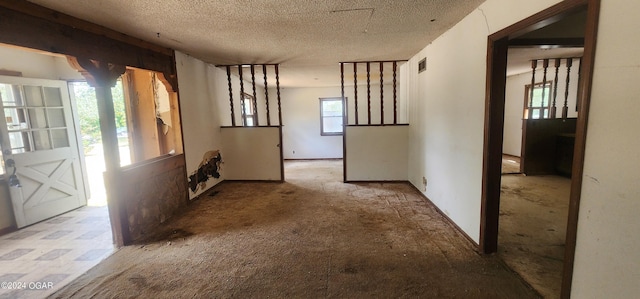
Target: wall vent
{"x": 422, "y": 65}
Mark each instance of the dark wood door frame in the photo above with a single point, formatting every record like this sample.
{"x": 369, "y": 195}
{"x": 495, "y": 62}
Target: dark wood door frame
{"x": 494, "y": 124}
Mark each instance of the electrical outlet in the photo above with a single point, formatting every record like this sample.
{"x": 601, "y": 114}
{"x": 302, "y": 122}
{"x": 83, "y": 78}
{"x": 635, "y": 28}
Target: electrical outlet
{"x": 424, "y": 183}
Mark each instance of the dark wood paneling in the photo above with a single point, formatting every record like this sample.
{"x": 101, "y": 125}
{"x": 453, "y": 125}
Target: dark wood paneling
{"x": 152, "y": 192}
{"x": 540, "y": 144}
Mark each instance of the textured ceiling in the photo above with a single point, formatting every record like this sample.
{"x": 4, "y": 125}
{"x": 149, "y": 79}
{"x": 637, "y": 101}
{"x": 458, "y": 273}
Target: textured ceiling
{"x": 307, "y": 37}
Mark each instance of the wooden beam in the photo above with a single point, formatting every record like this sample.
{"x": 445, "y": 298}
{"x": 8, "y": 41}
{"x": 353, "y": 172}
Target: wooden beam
{"x": 29, "y": 25}
{"x": 547, "y": 42}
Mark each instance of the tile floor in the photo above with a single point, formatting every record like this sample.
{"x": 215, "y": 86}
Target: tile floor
{"x": 44, "y": 257}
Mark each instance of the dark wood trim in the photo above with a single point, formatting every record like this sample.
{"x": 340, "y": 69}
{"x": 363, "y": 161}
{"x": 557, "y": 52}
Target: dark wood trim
{"x": 378, "y": 125}
{"x": 375, "y": 61}
{"x": 281, "y": 154}
{"x": 345, "y": 122}
{"x": 29, "y": 25}
{"x": 395, "y": 93}
{"x": 542, "y": 42}
{"x": 493, "y": 137}
{"x": 250, "y": 127}
{"x": 244, "y": 64}
{"x": 377, "y": 181}
{"x": 474, "y": 244}
{"x": 584, "y": 100}
{"x": 368, "y": 93}
{"x": 381, "y": 93}
{"x": 541, "y": 19}
{"x": 255, "y": 96}
{"x": 277, "y": 69}
{"x": 10, "y": 73}
{"x": 266, "y": 94}
{"x": 8, "y": 230}
{"x": 355, "y": 91}
{"x": 233, "y": 115}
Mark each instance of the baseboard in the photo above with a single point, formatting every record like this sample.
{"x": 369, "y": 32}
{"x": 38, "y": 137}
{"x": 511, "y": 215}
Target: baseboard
{"x": 314, "y": 159}
{"x": 378, "y": 181}
{"x": 8, "y": 230}
{"x": 252, "y": 181}
{"x": 451, "y": 222}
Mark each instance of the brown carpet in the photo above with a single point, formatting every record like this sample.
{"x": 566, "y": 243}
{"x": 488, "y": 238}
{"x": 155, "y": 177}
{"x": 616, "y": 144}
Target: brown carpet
{"x": 311, "y": 237}
{"x": 533, "y": 222}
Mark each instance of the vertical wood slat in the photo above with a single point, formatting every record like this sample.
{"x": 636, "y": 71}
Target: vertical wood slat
{"x": 244, "y": 114}
{"x": 545, "y": 66}
{"x": 579, "y": 85}
{"x": 233, "y": 116}
{"x": 278, "y": 93}
{"x": 534, "y": 65}
{"x": 255, "y": 96}
{"x": 381, "y": 94}
{"x": 552, "y": 113}
{"x": 565, "y": 108}
{"x": 355, "y": 90}
{"x": 395, "y": 94}
{"x": 368, "y": 93}
{"x": 266, "y": 93}
{"x": 345, "y": 117}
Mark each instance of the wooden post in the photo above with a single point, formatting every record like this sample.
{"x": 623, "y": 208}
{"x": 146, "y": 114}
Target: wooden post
{"x": 244, "y": 113}
{"x": 266, "y": 93}
{"x": 381, "y": 93}
{"x": 395, "y": 94}
{"x": 534, "y": 64}
{"x": 552, "y": 113}
{"x": 233, "y": 116}
{"x": 102, "y": 76}
{"x": 368, "y": 93}
{"x": 255, "y": 96}
{"x": 278, "y": 93}
{"x": 579, "y": 85}
{"x": 565, "y": 108}
{"x": 545, "y": 65}
{"x": 355, "y": 89}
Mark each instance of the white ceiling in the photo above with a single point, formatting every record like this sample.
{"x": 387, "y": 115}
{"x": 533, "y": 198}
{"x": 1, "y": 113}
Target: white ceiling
{"x": 307, "y": 37}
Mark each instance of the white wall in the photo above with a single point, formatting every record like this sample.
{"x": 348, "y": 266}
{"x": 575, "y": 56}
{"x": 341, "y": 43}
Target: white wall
{"x": 446, "y": 104}
{"x": 251, "y": 153}
{"x": 301, "y": 120}
{"x": 514, "y": 102}
{"x": 377, "y": 153}
{"x": 201, "y": 86}
{"x": 301, "y": 117}
{"x": 607, "y": 261}
{"x": 36, "y": 64}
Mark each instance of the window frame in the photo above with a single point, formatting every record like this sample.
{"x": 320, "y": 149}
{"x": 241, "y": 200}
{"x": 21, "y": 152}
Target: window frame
{"x": 248, "y": 98}
{"x": 322, "y": 116}
{"x": 527, "y": 100}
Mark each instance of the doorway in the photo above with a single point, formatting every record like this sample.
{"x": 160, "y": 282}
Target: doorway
{"x": 494, "y": 124}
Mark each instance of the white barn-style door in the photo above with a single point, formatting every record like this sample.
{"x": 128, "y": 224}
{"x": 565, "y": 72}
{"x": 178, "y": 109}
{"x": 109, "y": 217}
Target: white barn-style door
{"x": 39, "y": 142}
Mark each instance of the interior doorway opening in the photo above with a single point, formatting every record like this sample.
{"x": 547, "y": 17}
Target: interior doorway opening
{"x": 85, "y": 100}
{"x": 498, "y": 47}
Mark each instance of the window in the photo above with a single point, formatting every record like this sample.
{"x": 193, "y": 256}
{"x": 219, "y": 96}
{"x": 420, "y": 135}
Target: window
{"x": 539, "y": 107}
{"x": 249, "y": 111}
{"x": 331, "y": 116}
